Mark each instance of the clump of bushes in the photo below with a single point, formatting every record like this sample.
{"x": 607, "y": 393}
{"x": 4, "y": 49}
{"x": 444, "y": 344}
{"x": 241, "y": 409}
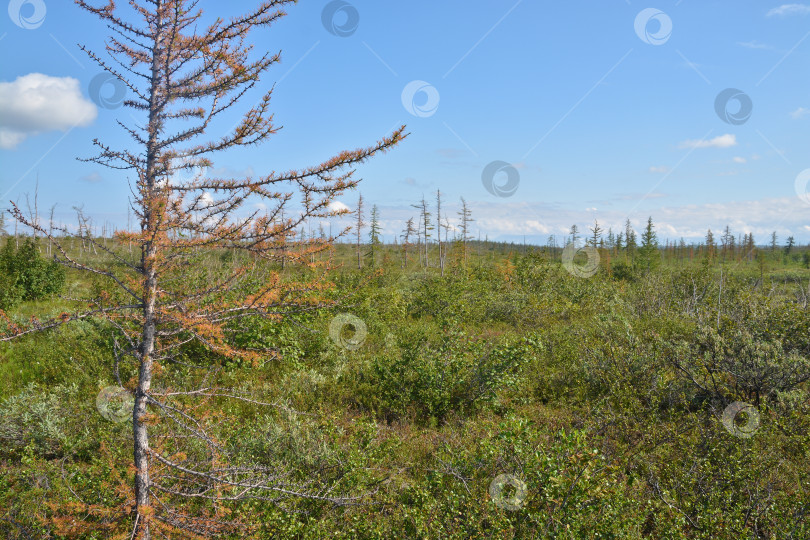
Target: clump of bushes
{"x": 426, "y": 381}
{"x": 26, "y": 275}
{"x": 38, "y": 420}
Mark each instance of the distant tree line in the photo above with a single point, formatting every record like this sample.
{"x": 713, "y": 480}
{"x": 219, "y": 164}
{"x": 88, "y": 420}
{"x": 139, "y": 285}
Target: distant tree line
{"x": 624, "y": 248}
{"x": 431, "y": 230}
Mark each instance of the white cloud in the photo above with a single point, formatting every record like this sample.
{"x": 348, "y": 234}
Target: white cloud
{"x": 496, "y": 226}
{"x": 537, "y": 227}
{"x": 799, "y": 113}
{"x": 92, "y": 178}
{"x": 36, "y": 103}
{"x": 206, "y": 200}
{"x": 739, "y": 159}
{"x": 758, "y": 216}
{"x": 204, "y": 207}
{"x": 183, "y": 175}
{"x": 723, "y": 141}
{"x": 790, "y": 9}
{"x": 337, "y": 206}
{"x": 639, "y": 196}
{"x": 660, "y": 170}
{"x": 755, "y": 45}
{"x": 786, "y": 214}
{"x": 228, "y": 172}
{"x": 10, "y": 139}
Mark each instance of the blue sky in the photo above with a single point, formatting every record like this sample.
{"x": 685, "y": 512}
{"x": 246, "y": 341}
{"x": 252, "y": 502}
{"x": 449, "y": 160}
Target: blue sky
{"x": 596, "y": 114}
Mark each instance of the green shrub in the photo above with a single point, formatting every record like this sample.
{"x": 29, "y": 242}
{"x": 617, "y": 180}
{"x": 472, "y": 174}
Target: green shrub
{"x": 11, "y": 293}
{"x": 429, "y": 380}
{"x": 737, "y": 365}
{"x": 25, "y": 275}
{"x": 36, "y": 419}
{"x": 623, "y": 271}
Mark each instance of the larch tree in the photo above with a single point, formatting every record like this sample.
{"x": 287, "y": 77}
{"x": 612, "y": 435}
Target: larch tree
{"x": 791, "y": 242}
{"x": 681, "y": 249}
{"x": 727, "y": 242}
{"x": 374, "y": 232}
{"x": 446, "y": 225}
{"x": 630, "y": 240}
{"x": 439, "y": 228}
{"x": 465, "y": 218}
{"x": 574, "y": 232}
{"x": 182, "y": 74}
{"x": 596, "y": 234}
{"x": 648, "y": 252}
{"x": 749, "y": 246}
{"x": 359, "y": 223}
{"x": 425, "y": 226}
{"x": 710, "y": 242}
{"x": 409, "y": 231}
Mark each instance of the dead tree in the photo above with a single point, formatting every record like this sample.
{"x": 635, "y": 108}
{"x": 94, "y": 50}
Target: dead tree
{"x": 359, "y": 223}
{"x": 425, "y": 227}
{"x": 439, "y": 229}
{"x": 465, "y": 217}
{"x": 50, "y": 229}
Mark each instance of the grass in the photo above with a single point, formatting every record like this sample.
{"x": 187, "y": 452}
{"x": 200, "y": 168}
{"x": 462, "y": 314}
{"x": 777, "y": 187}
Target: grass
{"x": 603, "y": 395}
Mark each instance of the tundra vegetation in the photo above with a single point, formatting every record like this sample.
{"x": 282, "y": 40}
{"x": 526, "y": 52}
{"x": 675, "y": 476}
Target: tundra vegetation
{"x": 603, "y": 395}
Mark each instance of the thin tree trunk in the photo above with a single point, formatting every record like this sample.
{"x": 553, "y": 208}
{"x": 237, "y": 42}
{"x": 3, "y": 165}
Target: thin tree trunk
{"x": 140, "y": 434}
{"x": 151, "y": 218}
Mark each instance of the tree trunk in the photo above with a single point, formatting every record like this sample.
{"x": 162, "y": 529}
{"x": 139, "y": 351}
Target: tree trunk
{"x": 139, "y": 427}
{"x": 148, "y": 265}
{"x": 140, "y": 434}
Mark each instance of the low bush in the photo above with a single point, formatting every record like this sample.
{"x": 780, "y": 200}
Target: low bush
{"x": 429, "y": 380}
{"x": 26, "y": 275}
{"x": 37, "y": 420}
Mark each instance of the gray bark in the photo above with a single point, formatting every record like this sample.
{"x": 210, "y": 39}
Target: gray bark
{"x": 139, "y": 428}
